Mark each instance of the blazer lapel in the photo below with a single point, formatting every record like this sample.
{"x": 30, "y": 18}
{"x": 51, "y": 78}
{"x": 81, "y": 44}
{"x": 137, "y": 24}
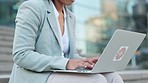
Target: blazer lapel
{"x": 53, "y": 24}
{"x": 70, "y": 26}
{"x": 51, "y": 19}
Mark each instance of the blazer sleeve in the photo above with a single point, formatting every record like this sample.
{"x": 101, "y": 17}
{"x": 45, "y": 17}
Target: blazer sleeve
{"x": 28, "y": 20}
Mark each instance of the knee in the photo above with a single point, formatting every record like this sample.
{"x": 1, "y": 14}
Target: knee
{"x": 113, "y": 77}
{"x": 98, "y": 78}
{"x": 116, "y": 76}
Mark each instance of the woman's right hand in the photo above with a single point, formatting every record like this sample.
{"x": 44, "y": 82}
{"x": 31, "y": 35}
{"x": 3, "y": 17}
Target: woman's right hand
{"x": 78, "y": 63}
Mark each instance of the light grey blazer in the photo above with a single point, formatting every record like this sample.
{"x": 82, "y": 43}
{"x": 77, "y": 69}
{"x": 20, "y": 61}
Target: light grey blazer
{"x": 36, "y": 47}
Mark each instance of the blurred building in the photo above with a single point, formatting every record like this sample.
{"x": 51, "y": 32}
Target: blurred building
{"x": 96, "y": 22}
{"x": 7, "y": 11}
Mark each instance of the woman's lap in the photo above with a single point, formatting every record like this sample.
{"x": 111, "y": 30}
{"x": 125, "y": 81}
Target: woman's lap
{"x": 84, "y": 78}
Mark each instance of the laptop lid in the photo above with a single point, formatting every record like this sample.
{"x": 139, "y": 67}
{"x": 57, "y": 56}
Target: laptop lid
{"x": 119, "y": 51}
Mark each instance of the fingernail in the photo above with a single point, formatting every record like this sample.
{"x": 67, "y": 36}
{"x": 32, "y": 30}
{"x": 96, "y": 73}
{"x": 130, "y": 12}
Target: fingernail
{"x": 92, "y": 66}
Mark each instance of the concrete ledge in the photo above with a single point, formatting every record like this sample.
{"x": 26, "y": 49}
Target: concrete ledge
{"x": 134, "y": 76}
{"x": 4, "y": 78}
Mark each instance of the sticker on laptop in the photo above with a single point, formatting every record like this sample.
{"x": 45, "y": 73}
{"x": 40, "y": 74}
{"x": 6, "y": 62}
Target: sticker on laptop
{"x": 120, "y": 53}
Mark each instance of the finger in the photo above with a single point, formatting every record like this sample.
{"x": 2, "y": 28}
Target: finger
{"x": 95, "y": 59}
{"x": 85, "y": 63}
{"x": 88, "y": 65}
{"x": 80, "y": 65}
{"x": 84, "y": 60}
{"x": 91, "y": 61}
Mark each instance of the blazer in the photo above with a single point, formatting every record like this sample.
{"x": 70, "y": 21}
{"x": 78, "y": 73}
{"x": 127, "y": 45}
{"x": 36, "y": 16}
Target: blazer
{"x": 36, "y": 47}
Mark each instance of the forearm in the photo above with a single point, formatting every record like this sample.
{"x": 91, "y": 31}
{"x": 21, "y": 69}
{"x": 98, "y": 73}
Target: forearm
{"x": 38, "y": 62}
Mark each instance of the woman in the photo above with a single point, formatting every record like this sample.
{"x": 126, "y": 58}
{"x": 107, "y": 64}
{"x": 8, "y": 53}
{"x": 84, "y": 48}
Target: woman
{"x": 44, "y": 40}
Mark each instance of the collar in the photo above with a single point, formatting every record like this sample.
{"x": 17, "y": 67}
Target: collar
{"x": 56, "y": 12}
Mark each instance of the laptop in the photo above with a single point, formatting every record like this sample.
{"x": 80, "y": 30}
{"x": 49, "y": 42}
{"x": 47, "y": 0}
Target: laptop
{"x": 117, "y": 54}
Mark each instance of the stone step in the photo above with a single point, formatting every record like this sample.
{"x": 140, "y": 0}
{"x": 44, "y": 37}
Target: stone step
{"x": 6, "y": 38}
{"x": 6, "y": 51}
{"x": 4, "y": 78}
{"x": 4, "y": 43}
{"x": 6, "y": 33}
{"x": 6, "y": 67}
{"x": 7, "y": 29}
{"x": 5, "y": 58}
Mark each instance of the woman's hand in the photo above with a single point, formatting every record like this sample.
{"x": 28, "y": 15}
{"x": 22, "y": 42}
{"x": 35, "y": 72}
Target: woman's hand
{"x": 77, "y": 63}
{"x": 92, "y": 61}
{"x": 81, "y": 63}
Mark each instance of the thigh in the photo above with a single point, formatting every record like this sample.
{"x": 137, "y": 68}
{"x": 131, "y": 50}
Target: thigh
{"x": 113, "y": 78}
{"x": 76, "y": 78}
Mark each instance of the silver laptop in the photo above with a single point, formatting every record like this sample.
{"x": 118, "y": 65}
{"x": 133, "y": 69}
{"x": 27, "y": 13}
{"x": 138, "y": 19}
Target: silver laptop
{"x": 116, "y": 54}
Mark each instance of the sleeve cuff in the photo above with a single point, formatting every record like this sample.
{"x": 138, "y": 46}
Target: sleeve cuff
{"x": 60, "y": 63}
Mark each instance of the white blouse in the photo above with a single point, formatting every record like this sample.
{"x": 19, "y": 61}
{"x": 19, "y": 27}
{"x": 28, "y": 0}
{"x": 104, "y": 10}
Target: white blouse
{"x": 64, "y": 39}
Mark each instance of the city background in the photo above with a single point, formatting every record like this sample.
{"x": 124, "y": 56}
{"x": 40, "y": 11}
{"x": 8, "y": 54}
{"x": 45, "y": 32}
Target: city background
{"x": 96, "y": 21}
